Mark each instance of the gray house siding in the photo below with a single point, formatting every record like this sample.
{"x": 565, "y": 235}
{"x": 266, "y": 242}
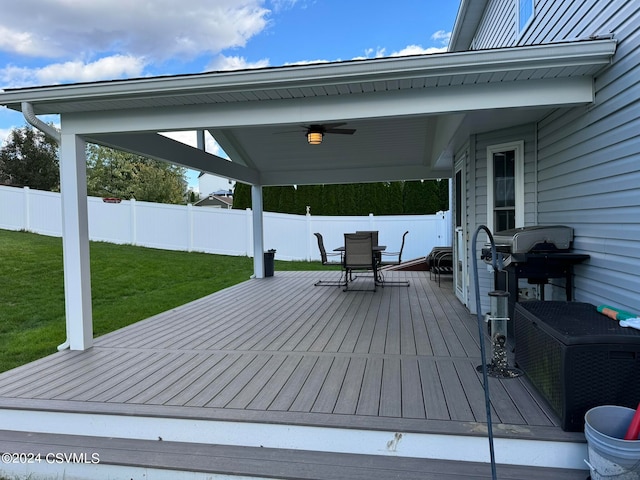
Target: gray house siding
{"x": 498, "y": 26}
{"x": 554, "y": 21}
{"x": 582, "y": 165}
{"x": 589, "y": 173}
{"x": 477, "y": 168}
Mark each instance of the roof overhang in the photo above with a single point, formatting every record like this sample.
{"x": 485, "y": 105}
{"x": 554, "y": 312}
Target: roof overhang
{"x": 405, "y": 110}
{"x": 470, "y": 13}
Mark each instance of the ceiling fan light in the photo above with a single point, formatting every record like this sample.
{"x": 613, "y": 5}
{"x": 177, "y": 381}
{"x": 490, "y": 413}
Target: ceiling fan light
{"x": 314, "y": 138}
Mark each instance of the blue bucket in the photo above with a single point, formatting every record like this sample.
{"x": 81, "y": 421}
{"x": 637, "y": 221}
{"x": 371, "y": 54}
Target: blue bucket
{"x": 610, "y": 456}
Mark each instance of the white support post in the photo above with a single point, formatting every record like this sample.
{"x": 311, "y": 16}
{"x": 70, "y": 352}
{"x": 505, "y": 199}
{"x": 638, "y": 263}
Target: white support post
{"x": 258, "y": 233}
{"x": 75, "y": 242}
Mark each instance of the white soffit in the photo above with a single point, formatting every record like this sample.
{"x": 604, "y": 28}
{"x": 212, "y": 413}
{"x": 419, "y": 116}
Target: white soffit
{"x": 400, "y": 108}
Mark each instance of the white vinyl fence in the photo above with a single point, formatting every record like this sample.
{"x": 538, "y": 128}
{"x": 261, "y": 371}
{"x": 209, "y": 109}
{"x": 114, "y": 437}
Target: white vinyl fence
{"x": 215, "y": 230}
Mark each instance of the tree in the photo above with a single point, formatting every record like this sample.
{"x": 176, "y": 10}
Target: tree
{"x": 30, "y": 158}
{"x": 112, "y": 173}
{"x": 443, "y": 195}
{"x": 382, "y": 198}
{"x": 241, "y": 196}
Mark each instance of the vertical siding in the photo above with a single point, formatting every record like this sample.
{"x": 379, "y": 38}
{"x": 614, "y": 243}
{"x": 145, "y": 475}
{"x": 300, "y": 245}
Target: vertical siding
{"x": 589, "y": 163}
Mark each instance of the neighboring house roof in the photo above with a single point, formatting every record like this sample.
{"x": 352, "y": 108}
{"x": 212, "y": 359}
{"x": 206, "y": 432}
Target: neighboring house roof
{"x": 406, "y": 111}
{"x": 215, "y": 201}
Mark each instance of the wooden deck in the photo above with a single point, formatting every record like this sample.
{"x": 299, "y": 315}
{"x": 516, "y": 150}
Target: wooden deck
{"x": 279, "y": 351}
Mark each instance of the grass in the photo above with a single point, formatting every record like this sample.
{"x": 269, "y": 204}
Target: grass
{"x": 128, "y": 284}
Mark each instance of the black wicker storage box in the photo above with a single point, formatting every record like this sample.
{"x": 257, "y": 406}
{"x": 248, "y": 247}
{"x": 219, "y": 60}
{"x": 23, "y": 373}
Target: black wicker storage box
{"x": 577, "y": 358}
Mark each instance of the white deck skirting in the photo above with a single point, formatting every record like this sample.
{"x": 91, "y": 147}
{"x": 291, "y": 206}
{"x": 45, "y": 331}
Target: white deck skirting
{"x": 335, "y": 440}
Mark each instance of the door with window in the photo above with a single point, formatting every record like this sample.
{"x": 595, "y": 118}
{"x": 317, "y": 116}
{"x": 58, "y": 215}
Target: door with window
{"x": 460, "y": 244}
{"x": 505, "y": 186}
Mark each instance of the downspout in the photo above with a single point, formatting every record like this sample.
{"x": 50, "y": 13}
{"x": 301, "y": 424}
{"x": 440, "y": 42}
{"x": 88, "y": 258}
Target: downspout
{"x": 54, "y": 133}
{"x": 48, "y": 130}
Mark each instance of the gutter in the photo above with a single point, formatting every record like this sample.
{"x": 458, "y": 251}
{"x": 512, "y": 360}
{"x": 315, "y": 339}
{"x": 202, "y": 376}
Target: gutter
{"x": 48, "y": 130}
{"x": 54, "y": 133}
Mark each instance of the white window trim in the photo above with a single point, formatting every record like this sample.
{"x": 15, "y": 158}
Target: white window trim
{"x": 518, "y": 148}
{"x": 520, "y": 31}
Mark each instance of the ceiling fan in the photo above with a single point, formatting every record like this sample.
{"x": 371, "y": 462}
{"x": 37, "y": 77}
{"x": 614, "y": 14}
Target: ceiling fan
{"x": 315, "y": 132}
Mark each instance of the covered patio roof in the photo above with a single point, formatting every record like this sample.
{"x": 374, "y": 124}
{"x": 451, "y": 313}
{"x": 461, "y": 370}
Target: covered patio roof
{"x": 408, "y": 112}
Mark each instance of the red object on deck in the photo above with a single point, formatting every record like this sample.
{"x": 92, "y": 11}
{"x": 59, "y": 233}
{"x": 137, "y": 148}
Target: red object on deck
{"x": 634, "y": 428}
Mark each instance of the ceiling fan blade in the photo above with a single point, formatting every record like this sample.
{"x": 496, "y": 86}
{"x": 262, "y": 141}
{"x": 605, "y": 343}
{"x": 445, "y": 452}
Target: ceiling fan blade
{"x": 330, "y": 126}
{"x": 289, "y": 131}
{"x": 343, "y": 131}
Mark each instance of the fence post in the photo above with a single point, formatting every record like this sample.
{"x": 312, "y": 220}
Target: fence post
{"x": 190, "y": 227}
{"x": 309, "y": 234}
{"x": 249, "y": 238}
{"x": 27, "y": 210}
{"x": 134, "y": 221}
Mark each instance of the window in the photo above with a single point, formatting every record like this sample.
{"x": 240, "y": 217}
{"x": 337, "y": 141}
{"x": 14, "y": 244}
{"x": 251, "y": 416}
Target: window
{"x": 524, "y": 13}
{"x": 505, "y": 187}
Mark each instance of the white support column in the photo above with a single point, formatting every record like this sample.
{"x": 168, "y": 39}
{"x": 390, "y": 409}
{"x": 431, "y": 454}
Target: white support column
{"x": 75, "y": 242}
{"x": 258, "y": 233}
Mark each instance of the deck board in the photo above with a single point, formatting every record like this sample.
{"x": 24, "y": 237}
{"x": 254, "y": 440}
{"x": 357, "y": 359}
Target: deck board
{"x": 283, "y": 350}
{"x": 433, "y": 393}
{"x": 347, "y": 401}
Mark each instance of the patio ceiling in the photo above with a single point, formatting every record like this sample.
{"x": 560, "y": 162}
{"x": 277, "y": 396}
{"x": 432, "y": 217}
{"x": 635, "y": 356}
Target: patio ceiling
{"x": 409, "y": 112}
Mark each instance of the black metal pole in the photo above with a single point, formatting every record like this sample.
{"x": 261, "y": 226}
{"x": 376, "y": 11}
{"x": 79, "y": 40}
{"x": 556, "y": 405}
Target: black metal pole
{"x": 485, "y": 377}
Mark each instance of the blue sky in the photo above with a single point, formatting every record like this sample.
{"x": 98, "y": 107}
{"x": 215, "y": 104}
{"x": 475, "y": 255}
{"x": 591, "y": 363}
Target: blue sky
{"x": 47, "y": 42}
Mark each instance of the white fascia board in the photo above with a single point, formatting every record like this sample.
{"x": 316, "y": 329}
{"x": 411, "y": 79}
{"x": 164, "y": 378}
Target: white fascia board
{"x": 594, "y": 52}
{"x": 441, "y": 100}
{"x": 159, "y": 147}
{"x": 470, "y": 12}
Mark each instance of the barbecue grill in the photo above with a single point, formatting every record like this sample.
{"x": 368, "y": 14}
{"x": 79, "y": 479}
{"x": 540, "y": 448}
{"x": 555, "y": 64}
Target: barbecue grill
{"x": 537, "y": 253}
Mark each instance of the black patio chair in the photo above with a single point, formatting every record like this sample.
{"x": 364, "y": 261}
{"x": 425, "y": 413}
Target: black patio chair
{"x": 324, "y": 258}
{"x": 323, "y": 252}
{"x": 359, "y": 256}
{"x": 440, "y": 262}
{"x": 398, "y": 254}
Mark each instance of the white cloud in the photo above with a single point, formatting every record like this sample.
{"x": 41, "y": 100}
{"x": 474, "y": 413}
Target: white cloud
{"x": 418, "y": 50}
{"x": 283, "y": 4}
{"x": 227, "y": 63}
{"x": 117, "y": 66}
{"x": 159, "y": 30}
{"x": 4, "y": 134}
{"x": 442, "y": 37}
{"x": 312, "y": 62}
{"x": 20, "y": 42}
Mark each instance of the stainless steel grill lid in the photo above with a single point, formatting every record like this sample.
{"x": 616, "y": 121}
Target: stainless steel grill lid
{"x": 534, "y": 238}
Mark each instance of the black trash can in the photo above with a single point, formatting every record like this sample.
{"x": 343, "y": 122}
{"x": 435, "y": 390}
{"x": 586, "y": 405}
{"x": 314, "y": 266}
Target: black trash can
{"x": 269, "y": 262}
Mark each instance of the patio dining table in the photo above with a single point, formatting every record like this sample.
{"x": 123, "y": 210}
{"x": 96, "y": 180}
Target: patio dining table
{"x": 379, "y": 277}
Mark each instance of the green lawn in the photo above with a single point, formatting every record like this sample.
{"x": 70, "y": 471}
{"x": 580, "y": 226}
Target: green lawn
{"x": 128, "y": 284}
